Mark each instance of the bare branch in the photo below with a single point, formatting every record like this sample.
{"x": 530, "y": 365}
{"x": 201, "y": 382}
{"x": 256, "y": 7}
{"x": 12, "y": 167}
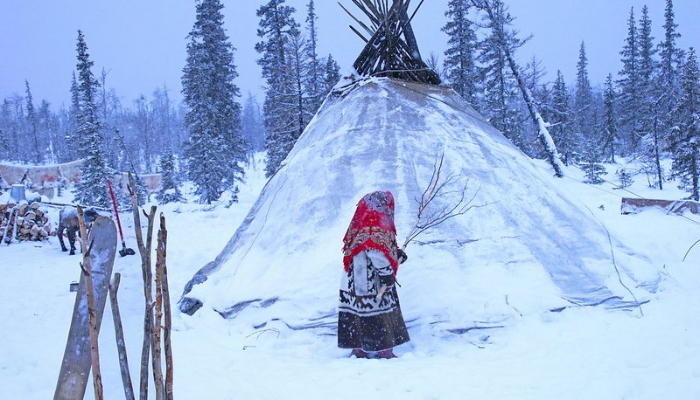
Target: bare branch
{"x": 428, "y": 216}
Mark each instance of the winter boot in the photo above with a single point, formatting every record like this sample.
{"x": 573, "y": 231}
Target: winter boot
{"x": 387, "y": 353}
{"x": 359, "y": 353}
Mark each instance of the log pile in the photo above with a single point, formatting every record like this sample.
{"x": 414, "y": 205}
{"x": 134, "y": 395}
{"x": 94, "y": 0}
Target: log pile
{"x": 24, "y": 221}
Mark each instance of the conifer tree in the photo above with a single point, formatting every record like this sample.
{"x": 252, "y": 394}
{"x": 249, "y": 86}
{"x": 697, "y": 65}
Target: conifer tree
{"x": 685, "y": 137}
{"x": 252, "y": 126}
{"x": 505, "y": 41}
{"x": 32, "y": 127}
{"x": 92, "y": 187}
{"x": 610, "y": 120}
{"x": 215, "y": 147}
{"x": 629, "y": 84}
{"x": 281, "y": 118}
{"x": 170, "y": 180}
{"x": 500, "y": 103}
{"x": 583, "y": 109}
{"x": 48, "y": 126}
{"x": 650, "y": 120}
{"x": 4, "y": 145}
{"x": 460, "y": 65}
{"x": 71, "y": 137}
{"x": 560, "y": 120}
{"x": 671, "y": 56}
{"x": 314, "y": 75}
{"x": 665, "y": 85}
{"x": 304, "y": 103}
{"x": 331, "y": 74}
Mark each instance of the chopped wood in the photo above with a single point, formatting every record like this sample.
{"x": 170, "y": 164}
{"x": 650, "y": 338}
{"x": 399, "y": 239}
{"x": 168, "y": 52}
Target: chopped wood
{"x": 23, "y": 222}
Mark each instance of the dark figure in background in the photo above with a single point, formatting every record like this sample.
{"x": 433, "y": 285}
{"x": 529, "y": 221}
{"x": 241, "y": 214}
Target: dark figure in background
{"x": 68, "y": 220}
{"x": 369, "y": 316}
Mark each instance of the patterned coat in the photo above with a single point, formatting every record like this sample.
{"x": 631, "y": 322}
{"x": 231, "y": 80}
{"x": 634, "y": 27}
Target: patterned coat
{"x": 364, "y": 320}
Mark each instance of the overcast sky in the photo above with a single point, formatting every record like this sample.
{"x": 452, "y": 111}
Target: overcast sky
{"x": 142, "y": 43}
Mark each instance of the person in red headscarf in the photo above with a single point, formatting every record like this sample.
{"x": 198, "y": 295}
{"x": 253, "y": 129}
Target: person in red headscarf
{"x": 369, "y": 318}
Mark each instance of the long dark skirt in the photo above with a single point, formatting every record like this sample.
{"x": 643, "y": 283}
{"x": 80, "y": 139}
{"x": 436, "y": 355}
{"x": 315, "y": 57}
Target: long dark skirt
{"x": 368, "y": 324}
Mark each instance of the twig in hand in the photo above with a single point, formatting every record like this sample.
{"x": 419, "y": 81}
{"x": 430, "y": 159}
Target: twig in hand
{"x": 427, "y": 217}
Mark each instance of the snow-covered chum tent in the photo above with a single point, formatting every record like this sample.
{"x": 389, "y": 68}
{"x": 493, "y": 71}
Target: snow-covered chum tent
{"x": 523, "y": 247}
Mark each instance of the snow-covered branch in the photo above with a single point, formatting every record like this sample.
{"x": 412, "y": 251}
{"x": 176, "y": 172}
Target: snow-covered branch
{"x": 428, "y": 215}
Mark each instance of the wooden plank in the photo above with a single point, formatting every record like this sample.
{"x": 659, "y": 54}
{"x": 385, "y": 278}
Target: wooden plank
{"x": 634, "y": 205}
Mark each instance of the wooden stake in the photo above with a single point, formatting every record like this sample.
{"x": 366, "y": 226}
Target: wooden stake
{"x": 119, "y": 333}
{"x": 157, "y": 366}
{"x": 168, "y": 313}
{"x": 147, "y": 291}
{"x": 92, "y": 311}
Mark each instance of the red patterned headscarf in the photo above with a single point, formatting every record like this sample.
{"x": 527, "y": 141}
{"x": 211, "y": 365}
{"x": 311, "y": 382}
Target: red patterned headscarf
{"x": 372, "y": 227}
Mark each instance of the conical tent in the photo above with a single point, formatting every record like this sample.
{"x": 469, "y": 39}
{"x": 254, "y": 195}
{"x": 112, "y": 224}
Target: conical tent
{"x": 522, "y": 246}
{"x": 284, "y": 262}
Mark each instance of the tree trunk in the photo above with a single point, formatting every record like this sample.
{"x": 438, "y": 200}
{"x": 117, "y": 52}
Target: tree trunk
{"x": 657, "y": 157}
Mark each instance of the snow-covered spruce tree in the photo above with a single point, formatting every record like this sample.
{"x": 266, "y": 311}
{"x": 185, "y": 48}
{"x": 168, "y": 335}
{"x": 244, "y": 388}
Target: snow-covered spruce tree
{"x": 298, "y": 67}
{"x": 650, "y": 120}
{"x": 610, "y": 139}
{"x": 49, "y": 126}
{"x": 143, "y": 122}
{"x": 629, "y": 97}
{"x": 501, "y": 100}
{"x": 625, "y": 178}
{"x": 331, "y": 74}
{"x": 506, "y": 42}
{"x": 252, "y": 126}
{"x": 560, "y": 122}
{"x": 313, "y": 81}
{"x": 92, "y": 187}
{"x": 460, "y": 66}
{"x": 170, "y": 180}
{"x": 164, "y": 121}
{"x": 4, "y": 145}
{"x": 215, "y": 147}
{"x": 8, "y": 137}
{"x": 592, "y": 153}
{"x": 32, "y": 127}
{"x": 279, "y": 109}
{"x": 685, "y": 137}
{"x": 583, "y": 107}
{"x": 71, "y": 132}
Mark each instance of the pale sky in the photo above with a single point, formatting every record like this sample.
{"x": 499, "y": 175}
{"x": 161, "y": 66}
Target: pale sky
{"x": 142, "y": 43}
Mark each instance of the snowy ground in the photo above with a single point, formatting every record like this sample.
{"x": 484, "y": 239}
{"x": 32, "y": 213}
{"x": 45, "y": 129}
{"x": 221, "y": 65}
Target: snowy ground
{"x": 579, "y": 353}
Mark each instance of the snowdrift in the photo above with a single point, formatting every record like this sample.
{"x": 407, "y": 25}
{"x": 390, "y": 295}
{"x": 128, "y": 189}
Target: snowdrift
{"x": 283, "y": 264}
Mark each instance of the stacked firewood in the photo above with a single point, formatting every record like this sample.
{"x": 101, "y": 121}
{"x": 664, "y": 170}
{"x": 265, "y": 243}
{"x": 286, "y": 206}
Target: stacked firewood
{"x": 24, "y": 221}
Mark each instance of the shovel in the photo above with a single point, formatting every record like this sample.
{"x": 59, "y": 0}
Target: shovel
{"x": 125, "y": 251}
